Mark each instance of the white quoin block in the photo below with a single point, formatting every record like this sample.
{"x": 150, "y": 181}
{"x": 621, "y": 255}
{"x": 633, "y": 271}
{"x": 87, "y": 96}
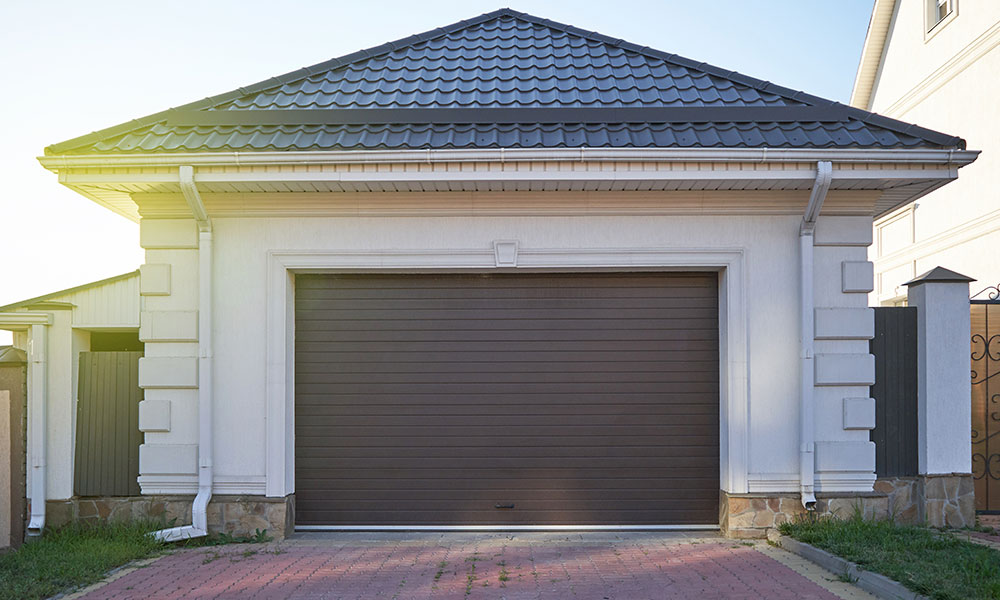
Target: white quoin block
{"x": 944, "y": 410}
{"x": 845, "y": 323}
{"x": 154, "y": 415}
{"x": 845, "y": 456}
{"x": 168, "y": 372}
{"x": 154, "y": 280}
{"x": 859, "y": 413}
{"x": 168, "y": 233}
{"x": 845, "y": 369}
{"x": 168, "y": 326}
{"x": 858, "y": 277}
{"x": 843, "y": 231}
{"x": 168, "y": 459}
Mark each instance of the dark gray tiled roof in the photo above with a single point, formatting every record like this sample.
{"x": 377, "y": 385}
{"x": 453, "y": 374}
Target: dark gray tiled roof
{"x": 505, "y": 60}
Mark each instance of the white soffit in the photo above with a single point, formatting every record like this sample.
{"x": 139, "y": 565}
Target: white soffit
{"x": 110, "y": 181}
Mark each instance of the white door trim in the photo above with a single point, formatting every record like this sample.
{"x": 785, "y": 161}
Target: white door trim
{"x": 280, "y": 368}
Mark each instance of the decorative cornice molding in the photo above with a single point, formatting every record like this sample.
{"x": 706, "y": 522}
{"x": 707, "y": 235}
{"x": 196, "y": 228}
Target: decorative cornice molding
{"x": 962, "y": 60}
{"x": 967, "y": 232}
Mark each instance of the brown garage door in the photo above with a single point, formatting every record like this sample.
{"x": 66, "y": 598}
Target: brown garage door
{"x": 507, "y": 399}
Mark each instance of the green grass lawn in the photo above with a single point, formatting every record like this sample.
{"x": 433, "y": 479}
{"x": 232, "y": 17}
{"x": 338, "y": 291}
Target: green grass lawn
{"x": 924, "y": 560}
{"x": 75, "y": 555}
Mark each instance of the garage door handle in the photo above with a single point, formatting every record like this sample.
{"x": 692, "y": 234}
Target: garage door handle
{"x": 504, "y": 506}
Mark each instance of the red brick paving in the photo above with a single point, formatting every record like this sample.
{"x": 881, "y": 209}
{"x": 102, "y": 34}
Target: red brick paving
{"x": 452, "y": 567}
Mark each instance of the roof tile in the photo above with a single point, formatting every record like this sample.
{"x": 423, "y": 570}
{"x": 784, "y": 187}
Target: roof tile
{"x": 501, "y": 60}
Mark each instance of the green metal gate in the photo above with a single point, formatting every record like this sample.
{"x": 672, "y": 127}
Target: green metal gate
{"x": 107, "y": 424}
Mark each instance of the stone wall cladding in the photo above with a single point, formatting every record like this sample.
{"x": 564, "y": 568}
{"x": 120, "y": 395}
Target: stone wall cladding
{"x": 244, "y": 515}
{"x": 949, "y": 500}
{"x": 934, "y": 500}
{"x": 235, "y": 515}
{"x": 904, "y": 495}
{"x": 751, "y": 515}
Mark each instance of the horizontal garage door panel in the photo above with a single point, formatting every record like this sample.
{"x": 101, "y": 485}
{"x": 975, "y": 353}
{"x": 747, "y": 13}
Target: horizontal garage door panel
{"x": 578, "y": 399}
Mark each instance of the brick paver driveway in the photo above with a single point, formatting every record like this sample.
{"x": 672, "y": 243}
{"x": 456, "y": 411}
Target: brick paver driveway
{"x": 479, "y": 566}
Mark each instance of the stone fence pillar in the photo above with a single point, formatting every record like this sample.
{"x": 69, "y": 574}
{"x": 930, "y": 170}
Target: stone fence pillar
{"x": 944, "y": 389}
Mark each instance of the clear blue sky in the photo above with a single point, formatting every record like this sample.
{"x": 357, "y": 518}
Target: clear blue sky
{"x": 73, "y": 66}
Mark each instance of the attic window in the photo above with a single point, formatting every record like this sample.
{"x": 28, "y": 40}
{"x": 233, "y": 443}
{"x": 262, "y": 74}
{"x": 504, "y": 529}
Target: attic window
{"x": 939, "y": 13}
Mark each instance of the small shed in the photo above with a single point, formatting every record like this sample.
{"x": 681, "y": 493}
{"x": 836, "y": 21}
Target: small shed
{"x": 76, "y": 353}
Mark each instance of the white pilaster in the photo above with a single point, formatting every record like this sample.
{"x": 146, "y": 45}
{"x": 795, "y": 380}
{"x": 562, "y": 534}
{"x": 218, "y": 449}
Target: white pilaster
{"x": 944, "y": 412}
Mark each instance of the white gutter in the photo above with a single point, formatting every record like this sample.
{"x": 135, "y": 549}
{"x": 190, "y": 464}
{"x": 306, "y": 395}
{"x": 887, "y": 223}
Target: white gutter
{"x": 807, "y": 431}
{"x": 206, "y": 468}
{"x": 957, "y": 158}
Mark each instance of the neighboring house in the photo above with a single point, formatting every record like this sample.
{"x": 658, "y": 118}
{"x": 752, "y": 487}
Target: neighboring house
{"x": 937, "y": 63}
{"x": 508, "y": 273}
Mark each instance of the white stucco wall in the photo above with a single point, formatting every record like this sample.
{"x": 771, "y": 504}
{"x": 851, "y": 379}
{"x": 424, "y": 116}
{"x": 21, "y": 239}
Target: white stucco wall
{"x": 770, "y": 250}
{"x": 949, "y": 82}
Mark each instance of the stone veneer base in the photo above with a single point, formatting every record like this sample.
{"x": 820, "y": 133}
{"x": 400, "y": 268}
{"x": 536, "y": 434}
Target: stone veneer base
{"x": 234, "y": 515}
{"x": 935, "y": 500}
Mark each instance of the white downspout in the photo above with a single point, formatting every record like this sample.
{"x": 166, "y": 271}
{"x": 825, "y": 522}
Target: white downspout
{"x": 38, "y": 374}
{"x": 807, "y": 442}
{"x": 199, "y": 509}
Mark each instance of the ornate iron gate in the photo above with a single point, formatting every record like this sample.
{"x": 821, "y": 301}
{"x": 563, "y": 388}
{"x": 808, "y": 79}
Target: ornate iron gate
{"x": 986, "y": 399}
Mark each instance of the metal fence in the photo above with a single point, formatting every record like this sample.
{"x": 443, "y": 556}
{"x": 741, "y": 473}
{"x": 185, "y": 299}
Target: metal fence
{"x": 895, "y": 391}
{"x": 107, "y": 424}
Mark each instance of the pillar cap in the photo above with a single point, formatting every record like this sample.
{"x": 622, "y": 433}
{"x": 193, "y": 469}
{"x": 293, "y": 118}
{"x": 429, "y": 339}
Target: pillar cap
{"x": 10, "y": 354}
{"x": 940, "y": 275}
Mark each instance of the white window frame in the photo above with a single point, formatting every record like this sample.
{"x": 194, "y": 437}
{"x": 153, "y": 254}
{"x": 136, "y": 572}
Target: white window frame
{"x": 933, "y": 25}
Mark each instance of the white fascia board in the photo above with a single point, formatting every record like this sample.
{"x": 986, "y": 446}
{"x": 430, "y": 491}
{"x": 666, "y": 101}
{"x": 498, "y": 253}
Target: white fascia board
{"x": 956, "y": 158}
{"x": 871, "y": 53}
{"x": 19, "y": 321}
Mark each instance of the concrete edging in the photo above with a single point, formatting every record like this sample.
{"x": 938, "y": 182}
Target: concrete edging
{"x": 871, "y": 582}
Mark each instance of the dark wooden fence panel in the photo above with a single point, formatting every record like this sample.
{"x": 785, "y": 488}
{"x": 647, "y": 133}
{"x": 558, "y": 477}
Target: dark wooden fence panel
{"x": 895, "y": 391}
{"x": 107, "y": 424}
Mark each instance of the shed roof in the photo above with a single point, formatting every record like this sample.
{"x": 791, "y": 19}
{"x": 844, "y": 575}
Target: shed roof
{"x": 507, "y": 79}
{"x": 49, "y": 299}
